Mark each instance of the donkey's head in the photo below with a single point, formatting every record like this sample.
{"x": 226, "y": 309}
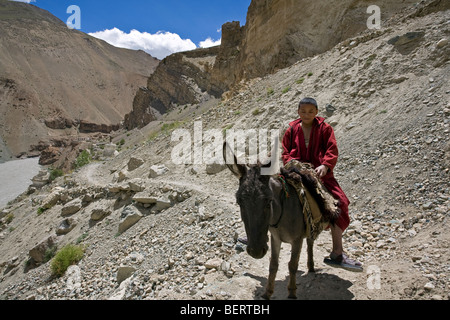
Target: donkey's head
{"x": 254, "y": 198}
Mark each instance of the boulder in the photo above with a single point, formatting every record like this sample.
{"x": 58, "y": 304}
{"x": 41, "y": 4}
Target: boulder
{"x": 129, "y": 217}
{"x": 124, "y": 273}
{"x": 118, "y": 187}
{"x": 213, "y": 263}
{"x": 100, "y": 210}
{"x": 162, "y": 204}
{"x": 52, "y": 199}
{"x": 136, "y": 185}
{"x": 37, "y": 253}
{"x": 157, "y": 170}
{"x": 41, "y": 179}
{"x": 66, "y": 226}
{"x": 71, "y": 207}
{"x": 408, "y": 42}
{"x": 215, "y": 168}
{"x": 144, "y": 198}
{"x": 134, "y": 163}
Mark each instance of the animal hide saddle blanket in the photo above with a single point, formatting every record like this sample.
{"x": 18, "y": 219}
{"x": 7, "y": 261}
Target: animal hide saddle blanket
{"x": 320, "y": 209}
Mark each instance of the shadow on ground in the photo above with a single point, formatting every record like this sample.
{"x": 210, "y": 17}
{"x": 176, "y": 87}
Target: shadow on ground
{"x": 310, "y": 286}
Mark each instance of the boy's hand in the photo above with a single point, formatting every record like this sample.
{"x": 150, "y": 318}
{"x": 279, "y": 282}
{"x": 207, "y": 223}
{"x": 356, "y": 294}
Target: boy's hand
{"x": 322, "y": 171}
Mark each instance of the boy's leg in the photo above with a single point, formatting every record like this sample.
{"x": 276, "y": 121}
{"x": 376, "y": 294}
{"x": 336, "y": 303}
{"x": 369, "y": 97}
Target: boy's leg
{"x": 337, "y": 257}
{"x": 336, "y": 236}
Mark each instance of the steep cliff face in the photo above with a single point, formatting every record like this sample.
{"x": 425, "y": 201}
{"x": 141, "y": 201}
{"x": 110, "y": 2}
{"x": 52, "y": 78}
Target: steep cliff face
{"x": 277, "y": 34}
{"x": 228, "y": 61}
{"x": 188, "y": 78}
{"x": 181, "y": 78}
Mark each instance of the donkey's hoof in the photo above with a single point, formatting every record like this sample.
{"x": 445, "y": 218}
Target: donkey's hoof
{"x": 292, "y": 295}
{"x": 266, "y": 296}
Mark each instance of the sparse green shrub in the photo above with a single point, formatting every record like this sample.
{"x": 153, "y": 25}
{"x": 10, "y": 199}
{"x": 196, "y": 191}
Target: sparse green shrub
{"x": 228, "y": 127}
{"x": 50, "y": 253}
{"x": 169, "y": 127}
{"x": 83, "y": 159}
{"x": 41, "y": 210}
{"x": 256, "y": 112}
{"x": 286, "y": 90}
{"x": 66, "y": 257}
{"x": 166, "y": 129}
{"x": 9, "y": 218}
{"x": 81, "y": 238}
{"x": 55, "y": 173}
{"x": 300, "y": 81}
{"x": 270, "y": 91}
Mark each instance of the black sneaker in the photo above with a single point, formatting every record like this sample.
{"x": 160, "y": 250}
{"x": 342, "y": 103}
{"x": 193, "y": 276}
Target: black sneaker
{"x": 343, "y": 262}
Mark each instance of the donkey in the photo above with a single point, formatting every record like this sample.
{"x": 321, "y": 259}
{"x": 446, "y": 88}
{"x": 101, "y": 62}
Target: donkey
{"x": 265, "y": 207}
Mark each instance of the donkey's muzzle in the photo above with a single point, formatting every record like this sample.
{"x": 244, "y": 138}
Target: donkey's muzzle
{"x": 257, "y": 253}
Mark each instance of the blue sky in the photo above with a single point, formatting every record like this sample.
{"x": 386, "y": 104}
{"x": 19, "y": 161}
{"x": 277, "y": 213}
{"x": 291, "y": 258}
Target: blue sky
{"x": 160, "y": 27}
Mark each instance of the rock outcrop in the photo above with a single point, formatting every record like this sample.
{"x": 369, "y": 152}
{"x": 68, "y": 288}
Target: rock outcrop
{"x": 277, "y": 34}
{"x": 181, "y": 78}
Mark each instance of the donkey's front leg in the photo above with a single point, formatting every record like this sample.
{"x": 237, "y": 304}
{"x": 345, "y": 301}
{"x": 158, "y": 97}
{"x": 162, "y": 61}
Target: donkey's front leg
{"x": 296, "y": 248}
{"x": 275, "y": 246}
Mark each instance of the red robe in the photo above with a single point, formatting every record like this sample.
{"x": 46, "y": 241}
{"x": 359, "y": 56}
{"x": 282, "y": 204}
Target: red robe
{"x": 322, "y": 150}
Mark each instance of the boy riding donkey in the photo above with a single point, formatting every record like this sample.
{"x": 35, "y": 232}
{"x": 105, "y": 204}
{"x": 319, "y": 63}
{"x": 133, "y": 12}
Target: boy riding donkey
{"x": 311, "y": 140}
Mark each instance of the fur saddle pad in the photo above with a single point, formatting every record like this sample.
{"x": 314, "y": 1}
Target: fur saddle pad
{"x": 319, "y": 207}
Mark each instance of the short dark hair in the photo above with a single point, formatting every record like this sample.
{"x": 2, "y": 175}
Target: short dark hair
{"x": 308, "y": 101}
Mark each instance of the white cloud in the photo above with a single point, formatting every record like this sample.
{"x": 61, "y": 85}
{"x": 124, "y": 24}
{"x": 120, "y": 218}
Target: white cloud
{"x": 26, "y": 1}
{"x": 159, "y": 45}
{"x": 210, "y": 43}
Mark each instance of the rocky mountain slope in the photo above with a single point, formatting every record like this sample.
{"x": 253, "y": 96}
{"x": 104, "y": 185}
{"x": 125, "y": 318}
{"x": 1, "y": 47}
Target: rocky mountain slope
{"x": 277, "y": 33}
{"x": 156, "y": 230}
{"x": 54, "y": 80}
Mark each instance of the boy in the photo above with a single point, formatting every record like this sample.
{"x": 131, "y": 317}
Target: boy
{"x": 310, "y": 139}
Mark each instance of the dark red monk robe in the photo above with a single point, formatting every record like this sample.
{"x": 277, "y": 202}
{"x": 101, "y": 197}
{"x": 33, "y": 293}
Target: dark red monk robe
{"x": 322, "y": 150}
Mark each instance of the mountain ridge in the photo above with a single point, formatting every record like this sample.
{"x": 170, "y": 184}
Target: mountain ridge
{"x": 48, "y": 72}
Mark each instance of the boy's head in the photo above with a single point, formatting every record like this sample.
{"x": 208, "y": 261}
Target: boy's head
{"x": 308, "y": 110}
{"x": 309, "y": 101}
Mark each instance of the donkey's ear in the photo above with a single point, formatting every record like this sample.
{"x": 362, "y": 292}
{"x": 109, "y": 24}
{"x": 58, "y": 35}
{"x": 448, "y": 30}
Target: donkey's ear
{"x": 239, "y": 170}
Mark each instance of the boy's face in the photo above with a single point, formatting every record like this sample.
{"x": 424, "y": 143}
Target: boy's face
{"x": 307, "y": 113}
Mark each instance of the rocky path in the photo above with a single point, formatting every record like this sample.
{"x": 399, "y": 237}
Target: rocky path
{"x": 189, "y": 251}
